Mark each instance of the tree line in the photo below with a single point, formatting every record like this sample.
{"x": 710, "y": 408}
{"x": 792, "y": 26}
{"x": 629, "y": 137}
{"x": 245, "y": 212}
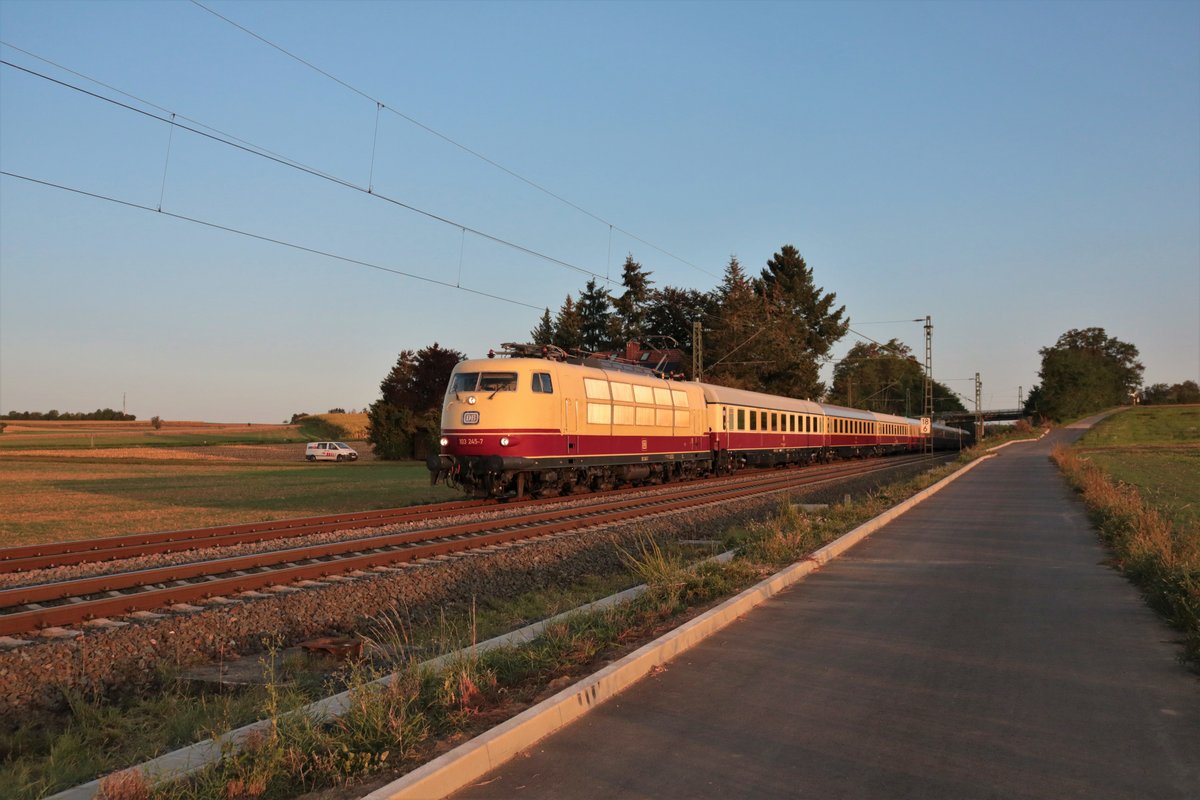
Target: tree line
{"x": 54, "y": 414}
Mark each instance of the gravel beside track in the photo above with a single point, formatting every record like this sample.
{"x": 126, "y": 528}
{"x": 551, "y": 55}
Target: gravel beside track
{"x": 104, "y": 656}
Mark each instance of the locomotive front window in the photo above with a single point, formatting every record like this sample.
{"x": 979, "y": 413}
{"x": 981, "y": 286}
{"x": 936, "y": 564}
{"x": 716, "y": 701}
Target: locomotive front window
{"x": 464, "y": 382}
{"x": 498, "y": 382}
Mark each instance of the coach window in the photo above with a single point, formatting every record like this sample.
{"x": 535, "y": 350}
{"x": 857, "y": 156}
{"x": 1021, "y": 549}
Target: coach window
{"x": 774, "y": 421}
{"x": 741, "y": 419}
{"x": 763, "y": 419}
{"x": 753, "y": 420}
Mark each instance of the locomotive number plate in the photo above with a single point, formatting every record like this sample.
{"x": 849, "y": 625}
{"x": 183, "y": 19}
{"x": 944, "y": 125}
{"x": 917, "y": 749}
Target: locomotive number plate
{"x": 470, "y": 418}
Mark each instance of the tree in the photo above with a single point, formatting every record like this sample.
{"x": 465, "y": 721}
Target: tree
{"x": 595, "y": 317}
{"x": 418, "y": 380}
{"x": 1086, "y": 371}
{"x": 543, "y": 334}
{"x": 886, "y": 378}
{"x": 673, "y": 311}
{"x": 410, "y": 393}
{"x": 568, "y": 326}
{"x": 734, "y": 346}
{"x": 802, "y": 324}
{"x": 632, "y": 308}
{"x": 1161, "y": 394}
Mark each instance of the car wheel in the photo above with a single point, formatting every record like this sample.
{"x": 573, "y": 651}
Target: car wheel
{"x": 310, "y": 458}
{"x": 339, "y": 458}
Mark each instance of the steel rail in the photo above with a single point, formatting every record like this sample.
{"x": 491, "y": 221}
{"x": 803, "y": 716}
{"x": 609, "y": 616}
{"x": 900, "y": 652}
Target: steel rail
{"x": 453, "y": 539}
{"x": 53, "y": 554}
{"x": 25, "y": 558}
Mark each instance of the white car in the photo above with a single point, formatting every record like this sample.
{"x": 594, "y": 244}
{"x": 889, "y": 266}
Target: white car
{"x": 330, "y": 451}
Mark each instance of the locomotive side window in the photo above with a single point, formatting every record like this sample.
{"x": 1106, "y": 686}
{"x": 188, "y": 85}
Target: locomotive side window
{"x": 595, "y": 389}
{"x": 683, "y": 419}
{"x": 622, "y": 392}
{"x": 679, "y": 398}
{"x": 662, "y": 417}
{"x": 623, "y": 415}
{"x": 662, "y": 397}
{"x": 542, "y": 384}
{"x": 643, "y": 395}
{"x": 645, "y": 416}
{"x": 599, "y": 413}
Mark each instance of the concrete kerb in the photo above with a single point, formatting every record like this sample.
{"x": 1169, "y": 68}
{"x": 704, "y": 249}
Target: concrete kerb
{"x": 475, "y": 758}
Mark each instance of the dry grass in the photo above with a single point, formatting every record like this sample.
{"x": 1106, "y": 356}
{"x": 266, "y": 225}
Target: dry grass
{"x": 1162, "y": 559}
{"x": 354, "y": 425}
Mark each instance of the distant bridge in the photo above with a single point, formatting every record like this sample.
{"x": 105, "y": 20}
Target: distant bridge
{"x": 958, "y": 418}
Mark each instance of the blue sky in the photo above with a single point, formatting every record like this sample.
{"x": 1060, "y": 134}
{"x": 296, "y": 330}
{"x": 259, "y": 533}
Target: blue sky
{"x": 1013, "y": 169}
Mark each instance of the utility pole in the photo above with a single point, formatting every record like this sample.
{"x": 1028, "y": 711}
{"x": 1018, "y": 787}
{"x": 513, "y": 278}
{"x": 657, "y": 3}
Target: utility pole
{"x": 978, "y": 412}
{"x": 928, "y": 378}
{"x": 697, "y": 351}
{"x": 1020, "y": 402}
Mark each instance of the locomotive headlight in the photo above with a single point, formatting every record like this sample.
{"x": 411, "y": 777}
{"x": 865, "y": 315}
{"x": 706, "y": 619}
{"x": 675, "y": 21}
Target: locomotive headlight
{"x": 504, "y": 441}
{"x": 443, "y": 441}
{"x": 471, "y": 400}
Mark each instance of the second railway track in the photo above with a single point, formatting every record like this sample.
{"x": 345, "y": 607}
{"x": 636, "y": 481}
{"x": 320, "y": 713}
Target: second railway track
{"x": 62, "y": 603}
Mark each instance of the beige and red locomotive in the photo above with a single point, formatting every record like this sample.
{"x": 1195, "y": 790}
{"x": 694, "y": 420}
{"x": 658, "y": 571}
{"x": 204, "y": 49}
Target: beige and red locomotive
{"x": 526, "y": 425}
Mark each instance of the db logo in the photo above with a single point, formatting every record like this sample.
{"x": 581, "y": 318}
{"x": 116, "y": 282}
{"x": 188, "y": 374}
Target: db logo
{"x": 643, "y": 444}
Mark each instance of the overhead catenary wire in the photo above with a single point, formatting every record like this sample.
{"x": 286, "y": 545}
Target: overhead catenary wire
{"x": 253, "y": 149}
{"x": 448, "y": 139}
{"x": 263, "y": 238}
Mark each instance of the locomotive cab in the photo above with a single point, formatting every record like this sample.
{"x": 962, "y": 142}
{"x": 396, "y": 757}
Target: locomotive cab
{"x": 497, "y": 415}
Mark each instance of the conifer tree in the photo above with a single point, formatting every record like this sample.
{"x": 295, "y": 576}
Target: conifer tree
{"x": 543, "y": 334}
{"x": 568, "y": 326}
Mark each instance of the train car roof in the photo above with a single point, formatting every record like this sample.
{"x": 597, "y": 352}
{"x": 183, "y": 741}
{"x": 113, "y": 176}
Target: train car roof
{"x": 847, "y": 413}
{"x": 741, "y": 397}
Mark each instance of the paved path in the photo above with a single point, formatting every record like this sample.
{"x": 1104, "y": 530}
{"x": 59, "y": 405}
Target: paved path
{"x": 974, "y": 648}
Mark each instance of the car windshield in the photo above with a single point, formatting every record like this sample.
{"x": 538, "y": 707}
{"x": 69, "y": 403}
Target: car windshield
{"x": 343, "y": 444}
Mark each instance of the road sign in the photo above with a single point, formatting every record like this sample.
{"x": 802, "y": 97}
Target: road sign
{"x": 926, "y": 426}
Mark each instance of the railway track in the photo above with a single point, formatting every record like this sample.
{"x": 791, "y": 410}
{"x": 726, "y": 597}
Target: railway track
{"x": 69, "y": 602}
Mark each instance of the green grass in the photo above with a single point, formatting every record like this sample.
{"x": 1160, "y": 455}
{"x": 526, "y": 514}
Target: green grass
{"x": 1169, "y": 481}
{"x": 52, "y": 500}
{"x": 1146, "y": 425}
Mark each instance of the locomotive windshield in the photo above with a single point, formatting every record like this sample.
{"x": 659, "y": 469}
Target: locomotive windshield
{"x": 484, "y": 382}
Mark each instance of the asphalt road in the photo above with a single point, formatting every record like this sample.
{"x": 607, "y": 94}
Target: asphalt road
{"x": 977, "y": 647}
